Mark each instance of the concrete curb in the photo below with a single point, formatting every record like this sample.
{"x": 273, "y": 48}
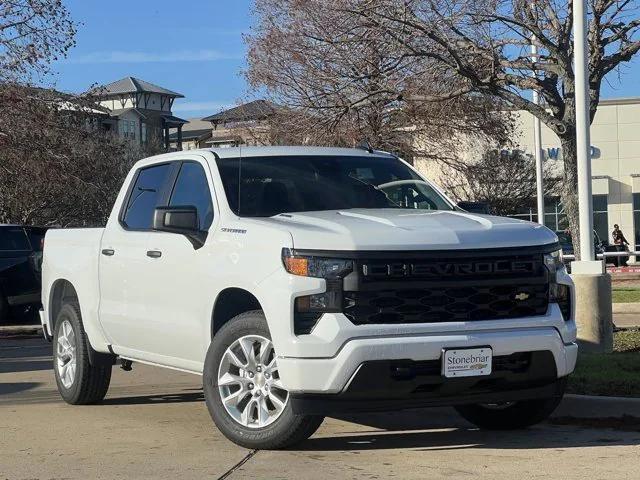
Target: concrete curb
{"x": 626, "y": 308}
{"x": 589, "y": 406}
{"x": 20, "y": 330}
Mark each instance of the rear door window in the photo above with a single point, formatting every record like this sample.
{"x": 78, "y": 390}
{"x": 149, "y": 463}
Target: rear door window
{"x": 13, "y": 238}
{"x": 145, "y": 196}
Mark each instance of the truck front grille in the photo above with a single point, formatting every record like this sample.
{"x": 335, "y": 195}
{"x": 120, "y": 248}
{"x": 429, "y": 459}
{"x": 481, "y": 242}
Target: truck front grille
{"x": 450, "y": 304}
{"x": 452, "y": 287}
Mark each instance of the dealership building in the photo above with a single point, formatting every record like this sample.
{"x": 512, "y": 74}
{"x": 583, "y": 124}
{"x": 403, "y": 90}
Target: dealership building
{"x": 615, "y": 168}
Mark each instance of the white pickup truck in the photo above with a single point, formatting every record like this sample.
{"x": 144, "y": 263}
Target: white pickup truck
{"x": 302, "y": 282}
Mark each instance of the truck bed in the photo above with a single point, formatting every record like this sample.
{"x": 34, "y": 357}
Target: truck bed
{"x": 73, "y": 254}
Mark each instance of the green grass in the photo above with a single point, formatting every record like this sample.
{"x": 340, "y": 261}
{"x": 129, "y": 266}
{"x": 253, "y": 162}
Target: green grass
{"x": 614, "y": 374}
{"x": 626, "y": 295}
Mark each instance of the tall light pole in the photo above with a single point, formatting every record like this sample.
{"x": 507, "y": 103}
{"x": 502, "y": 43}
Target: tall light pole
{"x": 537, "y": 142}
{"x": 583, "y": 121}
{"x": 593, "y": 312}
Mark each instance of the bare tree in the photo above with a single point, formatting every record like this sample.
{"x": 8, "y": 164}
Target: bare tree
{"x": 485, "y": 43}
{"x": 32, "y": 34}
{"x": 343, "y": 80}
{"x": 504, "y": 179}
{"x": 57, "y": 167}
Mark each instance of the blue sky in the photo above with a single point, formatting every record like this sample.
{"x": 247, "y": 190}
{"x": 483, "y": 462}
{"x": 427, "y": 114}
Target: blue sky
{"x": 194, "y": 47}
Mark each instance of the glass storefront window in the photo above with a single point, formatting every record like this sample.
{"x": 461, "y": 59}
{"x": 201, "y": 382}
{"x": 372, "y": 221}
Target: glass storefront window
{"x": 601, "y": 216}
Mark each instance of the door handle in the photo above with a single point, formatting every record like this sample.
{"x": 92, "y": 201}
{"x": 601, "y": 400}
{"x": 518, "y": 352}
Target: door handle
{"x": 154, "y": 253}
{"x": 108, "y": 252}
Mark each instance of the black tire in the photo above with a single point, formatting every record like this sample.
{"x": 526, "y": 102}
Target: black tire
{"x": 91, "y": 382}
{"x": 287, "y": 430}
{"x": 512, "y": 417}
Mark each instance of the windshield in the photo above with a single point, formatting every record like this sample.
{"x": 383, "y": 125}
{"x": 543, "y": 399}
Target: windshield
{"x": 273, "y": 185}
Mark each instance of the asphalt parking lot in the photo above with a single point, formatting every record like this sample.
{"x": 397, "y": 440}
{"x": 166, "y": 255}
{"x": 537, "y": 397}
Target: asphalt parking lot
{"x": 153, "y": 424}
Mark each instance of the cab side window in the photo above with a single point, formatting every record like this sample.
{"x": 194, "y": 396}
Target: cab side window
{"x": 191, "y": 188}
{"x": 145, "y": 196}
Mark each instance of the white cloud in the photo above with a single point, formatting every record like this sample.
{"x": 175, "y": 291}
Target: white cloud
{"x": 118, "y": 56}
{"x": 213, "y": 107}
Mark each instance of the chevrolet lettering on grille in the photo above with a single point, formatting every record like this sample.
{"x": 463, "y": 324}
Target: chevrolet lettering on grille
{"x": 449, "y": 269}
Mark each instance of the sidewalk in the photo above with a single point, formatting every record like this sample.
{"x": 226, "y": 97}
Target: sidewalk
{"x": 626, "y": 320}
{"x": 590, "y": 406}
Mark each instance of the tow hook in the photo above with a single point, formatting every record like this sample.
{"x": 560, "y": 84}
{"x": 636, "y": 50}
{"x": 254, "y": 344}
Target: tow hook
{"x": 126, "y": 365}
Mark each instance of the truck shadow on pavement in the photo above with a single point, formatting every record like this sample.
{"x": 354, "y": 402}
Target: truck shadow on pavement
{"x": 17, "y": 365}
{"x": 185, "y": 397}
{"x": 17, "y": 387}
{"x": 446, "y": 431}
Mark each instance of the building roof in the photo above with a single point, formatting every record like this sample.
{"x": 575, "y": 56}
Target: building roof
{"x": 132, "y": 85}
{"x": 255, "y": 110}
{"x": 191, "y": 135}
{"x": 173, "y": 120}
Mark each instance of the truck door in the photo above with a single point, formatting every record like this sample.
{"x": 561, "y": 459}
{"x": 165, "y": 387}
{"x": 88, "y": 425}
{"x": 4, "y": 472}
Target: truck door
{"x": 124, "y": 264}
{"x": 181, "y": 277}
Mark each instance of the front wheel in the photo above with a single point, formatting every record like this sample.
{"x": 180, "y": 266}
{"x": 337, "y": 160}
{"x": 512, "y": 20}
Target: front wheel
{"x": 509, "y": 416}
{"x": 243, "y": 390}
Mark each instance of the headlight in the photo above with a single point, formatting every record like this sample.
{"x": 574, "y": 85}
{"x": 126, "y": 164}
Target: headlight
{"x": 309, "y": 308}
{"x": 553, "y": 262}
{"x": 311, "y": 266}
{"x": 558, "y": 293}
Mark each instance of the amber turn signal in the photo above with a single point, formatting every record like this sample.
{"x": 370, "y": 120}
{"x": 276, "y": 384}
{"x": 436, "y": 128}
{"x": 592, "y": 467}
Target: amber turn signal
{"x": 297, "y": 265}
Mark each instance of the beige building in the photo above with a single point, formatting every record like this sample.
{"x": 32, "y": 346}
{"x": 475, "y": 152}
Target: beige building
{"x": 140, "y": 111}
{"x": 615, "y": 164}
{"x": 246, "y": 124}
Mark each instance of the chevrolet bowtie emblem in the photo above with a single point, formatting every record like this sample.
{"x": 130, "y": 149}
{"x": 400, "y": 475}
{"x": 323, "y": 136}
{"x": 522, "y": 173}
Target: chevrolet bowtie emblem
{"x": 522, "y": 296}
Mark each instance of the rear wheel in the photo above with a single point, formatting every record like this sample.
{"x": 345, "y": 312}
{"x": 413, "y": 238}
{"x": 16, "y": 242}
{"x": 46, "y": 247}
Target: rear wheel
{"x": 243, "y": 390}
{"x": 509, "y": 416}
{"x": 79, "y": 382}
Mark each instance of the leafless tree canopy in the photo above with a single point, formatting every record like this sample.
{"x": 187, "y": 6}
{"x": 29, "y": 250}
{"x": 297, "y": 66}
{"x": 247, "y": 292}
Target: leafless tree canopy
{"x": 344, "y": 79}
{"x": 485, "y": 43}
{"x": 505, "y": 180}
{"x": 32, "y": 34}
{"x": 56, "y": 166}
{"x": 392, "y": 62}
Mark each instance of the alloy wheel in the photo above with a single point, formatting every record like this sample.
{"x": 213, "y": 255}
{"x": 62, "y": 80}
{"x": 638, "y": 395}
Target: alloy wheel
{"x": 249, "y": 382}
{"x": 66, "y": 357}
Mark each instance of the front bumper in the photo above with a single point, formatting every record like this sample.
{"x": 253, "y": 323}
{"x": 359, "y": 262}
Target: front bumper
{"x": 333, "y": 375}
{"x": 393, "y": 385}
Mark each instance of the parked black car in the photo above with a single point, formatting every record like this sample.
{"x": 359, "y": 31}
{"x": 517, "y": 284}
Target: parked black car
{"x": 20, "y": 267}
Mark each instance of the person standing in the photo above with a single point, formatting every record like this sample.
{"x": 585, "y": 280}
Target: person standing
{"x": 621, "y": 243}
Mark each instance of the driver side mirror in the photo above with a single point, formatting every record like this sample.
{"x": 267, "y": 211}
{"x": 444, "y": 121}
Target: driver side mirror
{"x": 182, "y": 220}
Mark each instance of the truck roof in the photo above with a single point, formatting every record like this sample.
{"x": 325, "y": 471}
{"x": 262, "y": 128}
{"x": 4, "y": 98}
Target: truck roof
{"x": 279, "y": 151}
{"x": 232, "y": 152}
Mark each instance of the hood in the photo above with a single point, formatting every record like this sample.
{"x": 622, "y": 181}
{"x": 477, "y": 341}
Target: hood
{"x": 400, "y": 229}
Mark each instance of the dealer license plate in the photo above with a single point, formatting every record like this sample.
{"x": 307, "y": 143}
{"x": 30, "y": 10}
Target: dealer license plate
{"x": 466, "y": 362}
